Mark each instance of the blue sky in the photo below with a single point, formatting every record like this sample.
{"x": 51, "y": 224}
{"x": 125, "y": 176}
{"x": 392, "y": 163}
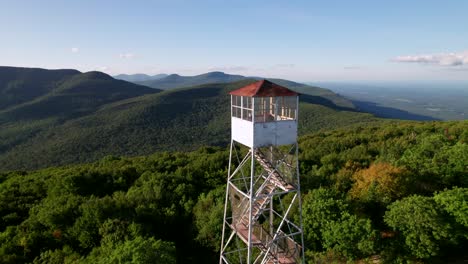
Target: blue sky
{"x": 298, "y": 40}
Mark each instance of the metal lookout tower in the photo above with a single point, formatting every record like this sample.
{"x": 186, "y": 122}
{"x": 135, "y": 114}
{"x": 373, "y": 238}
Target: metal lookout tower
{"x": 262, "y": 213}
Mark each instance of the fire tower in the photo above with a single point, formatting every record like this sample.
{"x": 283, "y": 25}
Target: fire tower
{"x": 262, "y": 213}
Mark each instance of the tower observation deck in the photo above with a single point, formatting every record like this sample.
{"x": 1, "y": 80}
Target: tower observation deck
{"x": 262, "y": 214}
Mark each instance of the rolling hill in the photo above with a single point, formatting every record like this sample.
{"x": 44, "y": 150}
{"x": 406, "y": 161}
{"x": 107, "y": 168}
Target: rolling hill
{"x": 73, "y": 96}
{"x": 91, "y": 115}
{"x": 139, "y": 77}
{"x": 36, "y": 100}
{"x": 19, "y": 85}
{"x": 177, "y": 81}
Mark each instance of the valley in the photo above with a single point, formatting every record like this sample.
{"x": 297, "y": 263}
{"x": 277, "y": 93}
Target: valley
{"x": 411, "y": 100}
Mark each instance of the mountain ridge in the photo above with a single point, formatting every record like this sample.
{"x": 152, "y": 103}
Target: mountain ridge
{"x": 175, "y": 80}
{"x": 172, "y": 81}
{"x": 139, "y": 77}
{"x": 20, "y": 84}
{"x": 80, "y": 92}
{"x": 90, "y": 115}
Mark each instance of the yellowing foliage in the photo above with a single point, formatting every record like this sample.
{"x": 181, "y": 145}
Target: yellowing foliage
{"x": 380, "y": 182}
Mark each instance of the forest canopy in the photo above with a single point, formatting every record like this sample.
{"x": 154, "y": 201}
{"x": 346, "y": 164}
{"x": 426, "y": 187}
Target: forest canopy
{"x": 396, "y": 192}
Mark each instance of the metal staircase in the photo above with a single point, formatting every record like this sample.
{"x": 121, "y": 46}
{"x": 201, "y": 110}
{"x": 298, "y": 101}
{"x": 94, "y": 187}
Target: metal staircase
{"x": 269, "y": 243}
{"x": 276, "y": 178}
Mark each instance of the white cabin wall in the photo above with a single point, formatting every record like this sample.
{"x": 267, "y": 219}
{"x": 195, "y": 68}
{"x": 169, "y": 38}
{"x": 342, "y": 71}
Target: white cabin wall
{"x": 242, "y": 131}
{"x": 275, "y": 133}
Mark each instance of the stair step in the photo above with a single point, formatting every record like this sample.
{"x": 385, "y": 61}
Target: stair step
{"x": 242, "y": 226}
{"x": 276, "y": 177}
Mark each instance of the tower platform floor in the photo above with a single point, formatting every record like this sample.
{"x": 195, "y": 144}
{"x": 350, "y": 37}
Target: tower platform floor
{"x": 242, "y": 232}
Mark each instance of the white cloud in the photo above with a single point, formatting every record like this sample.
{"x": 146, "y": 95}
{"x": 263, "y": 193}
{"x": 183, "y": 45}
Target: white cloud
{"x": 74, "y": 50}
{"x": 443, "y": 59}
{"x": 128, "y": 55}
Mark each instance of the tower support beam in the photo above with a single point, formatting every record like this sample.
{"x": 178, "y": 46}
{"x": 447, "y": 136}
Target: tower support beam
{"x": 263, "y": 183}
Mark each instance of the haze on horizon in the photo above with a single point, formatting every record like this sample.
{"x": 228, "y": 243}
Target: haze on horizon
{"x": 296, "y": 40}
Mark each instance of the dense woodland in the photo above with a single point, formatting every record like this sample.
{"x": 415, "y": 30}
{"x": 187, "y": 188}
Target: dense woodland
{"x": 61, "y": 117}
{"x": 395, "y": 192}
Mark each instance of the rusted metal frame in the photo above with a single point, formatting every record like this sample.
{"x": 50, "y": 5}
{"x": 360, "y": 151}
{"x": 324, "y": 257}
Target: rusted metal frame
{"x": 288, "y": 221}
{"x": 252, "y": 172}
{"x": 259, "y": 256}
{"x": 233, "y": 233}
{"x": 299, "y": 190}
{"x": 275, "y": 169}
{"x": 241, "y": 164}
{"x": 292, "y": 147}
{"x": 280, "y": 225}
{"x": 226, "y": 199}
{"x": 238, "y": 167}
{"x": 266, "y": 179}
{"x": 284, "y": 160}
{"x": 223, "y": 259}
{"x": 288, "y": 236}
{"x": 239, "y": 249}
{"x": 237, "y": 189}
{"x": 269, "y": 176}
{"x": 280, "y": 193}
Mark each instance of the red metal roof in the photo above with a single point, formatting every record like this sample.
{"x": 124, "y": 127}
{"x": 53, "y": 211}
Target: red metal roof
{"x": 263, "y": 88}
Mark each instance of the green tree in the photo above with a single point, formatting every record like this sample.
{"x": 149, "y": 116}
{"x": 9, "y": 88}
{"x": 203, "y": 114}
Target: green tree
{"x": 423, "y": 225}
{"x": 115, "y": 230}
{"x": 9, "y": 250}
{"x": 455, "y": 203}
{"x": 136, "y": 251}
{"x": 319, "y": 207}
{"x": 58, "y": 212}
{"x": 452, "y": 165}
{"x": 421, "y": 161}
{"x": 350, "y": 236}
{"x": 208, "y": 217}
{"x": 58, "y": 256}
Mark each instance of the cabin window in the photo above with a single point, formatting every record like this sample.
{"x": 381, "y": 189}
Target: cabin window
{"x": 287, "y": 108}
{"x": 247, "y": 114}
{"x": 268, "y": 109}
{"x": 236, "y": 112}
{"x": 242, "y": 107}
{"x": 236, "y": 101}
{"x": 265, "y": 109}
{"x": 247, "y": 102}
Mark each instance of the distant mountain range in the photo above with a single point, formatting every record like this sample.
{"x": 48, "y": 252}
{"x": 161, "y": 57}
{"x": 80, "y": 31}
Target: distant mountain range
{"x": 140, "y": 77}
{"x": 56, "y": 117}
{"x": 176, "y": 81}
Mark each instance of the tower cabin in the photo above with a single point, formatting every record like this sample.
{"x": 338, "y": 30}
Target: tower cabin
{"x": 264, "y": 114}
